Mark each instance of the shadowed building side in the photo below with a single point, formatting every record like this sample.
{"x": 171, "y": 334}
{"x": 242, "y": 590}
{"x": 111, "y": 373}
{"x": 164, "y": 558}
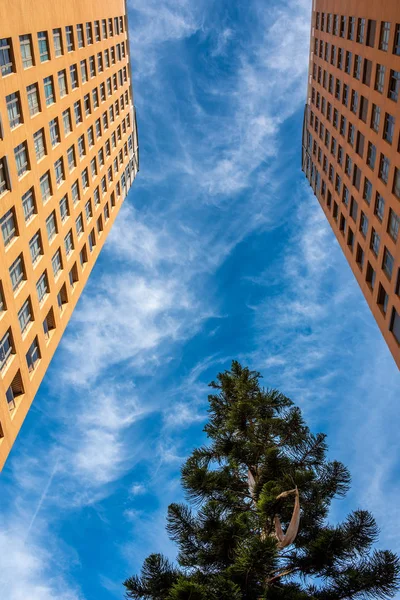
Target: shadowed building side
{"x": 351, "y": 144}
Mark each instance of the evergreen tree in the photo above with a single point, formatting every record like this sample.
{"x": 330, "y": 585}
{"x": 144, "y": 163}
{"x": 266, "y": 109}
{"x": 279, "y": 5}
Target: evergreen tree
{"x": 263, "y": 467}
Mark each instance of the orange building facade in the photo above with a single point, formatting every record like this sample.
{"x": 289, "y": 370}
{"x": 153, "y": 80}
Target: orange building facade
{"x": 68, "y": 156}
{"x": 351, "y": 143}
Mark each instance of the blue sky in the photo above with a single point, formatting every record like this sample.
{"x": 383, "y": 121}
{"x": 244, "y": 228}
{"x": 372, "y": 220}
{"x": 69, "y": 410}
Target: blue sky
{"x": 220, "y": 251}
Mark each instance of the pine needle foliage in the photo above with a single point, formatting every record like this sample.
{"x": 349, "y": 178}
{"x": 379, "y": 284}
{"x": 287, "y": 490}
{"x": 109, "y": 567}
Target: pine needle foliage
{"x": 228, "y": 549}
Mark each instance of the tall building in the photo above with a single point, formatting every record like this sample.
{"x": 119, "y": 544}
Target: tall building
{"x": 68, "y": 155}
{"x": 351, "y": 145}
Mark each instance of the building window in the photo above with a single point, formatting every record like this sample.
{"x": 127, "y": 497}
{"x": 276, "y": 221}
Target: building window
{"x": 393, "y": 225}
{"x": 89, "y": 36}
{"x": 73, "y": 73}
{"x": 348, "y": 166}
{"x": 104, "y": 28}
{"x": 379, "y": 206}
{"x": 371, "y": 29}
{"x": 86, "y": 104}
{"x": 45, "y": 187}
{"x": 99, "y": 62}
{"x": 396, "y": 45}
{"x": 39, "y": 144}
{"x": 92, "y": 240}
{"x": 354, "y": 101}
{"x": 59, "y": 171}
{"x": 388, "y": 129}
{"x": 8, "y": 227}
{"x": 28, "y": 205}
{"x": 102, "y": 92}
{"x": 21, "y": 159}
{"x": 363, "y": 224}
{"x": 6, "y": 57}
{"x": 69, "y": 33}
{"x": 384, "y": 166}
{"x": 384, "y": 36}
{"x": 57, "y": 40}
{"x": 14, "y": 110}
{"x": 97, "y": 31}
{"x": 33, "y": 99}
{"x": 56, "y": 263}
{"x": 25, "y": 44}
{"x": 93, "y": 167}
{"x": 96, "y": 196}
{"x": 66, "y": 117}
{"x": 62, "y": 83}
{"x": 371, "y": 155}
{"x": 367, "y": 72}
{"x": 71, "y": 158}
{"x": 98, "y": 128}
{"x": 17, "y": 273}
{"x": 84, "y": 74}
{"x": 73, "y": 276}
{"x": 375, "y": 118}
{"x": 85, "y": 179}
{"x": 90, "y": 136}
{"x": 78, "y": 112}
{"x": 48, "y": 90}
{"x": 380, "y": 78}
{"x": 33, "y": 355}
{"x": 359, "y": 143}
{"x": 396, "y": 183}
{"x": 395, "y": 325}
{"x": 75, "y": 192}
{"x": 81, "y": 146}
{"x": 43, "y": 46}
{"x": 35, "y": 247}
{"x": 42, "y": 287}
{"x": 49, "y": 324}
{"x": 388, "y": 263}
{"x": 6, "y": 349}
{"x": 352, "y": 24}
{"x": 347, "y": 64}
{"x": 370, "y": 276}
{"x": 88, "y": 210}
{"x": 79, "y": 35}
{"x": 54, "y": 132}
{"x": 79, "y": 225}
{"x": 394, "y": 83}
{"x": 106, "y": 212}
{"x": 69, "y": 243}
{"x": 64, "y": 208}
{"x": 353, "y": 209}
{"x": 25, "y": 315}
{"x": 382, "y": 299}
{"x": 92, "y": 67}
{"x": 95, "y": 98}
{"x": 360, "y": 256}
{"x": 357, "y": 66}
{"x": 360, "y": 31}
{"x": 83, "y": 256}
{"x": 3, "y": 306}
{"x": 51, "y": 226}
{"x": 375, "y": 242}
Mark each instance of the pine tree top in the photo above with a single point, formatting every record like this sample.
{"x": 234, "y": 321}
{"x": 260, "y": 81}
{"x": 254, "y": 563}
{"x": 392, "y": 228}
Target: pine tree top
{"x": 259, "y": 494}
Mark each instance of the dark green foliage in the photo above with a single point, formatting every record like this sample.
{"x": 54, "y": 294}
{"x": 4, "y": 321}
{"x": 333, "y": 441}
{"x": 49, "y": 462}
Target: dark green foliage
{"x": 227, "y": 544}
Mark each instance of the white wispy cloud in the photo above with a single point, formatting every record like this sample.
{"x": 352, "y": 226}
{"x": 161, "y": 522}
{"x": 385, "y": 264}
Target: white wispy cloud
{"x": 31, "y": 570}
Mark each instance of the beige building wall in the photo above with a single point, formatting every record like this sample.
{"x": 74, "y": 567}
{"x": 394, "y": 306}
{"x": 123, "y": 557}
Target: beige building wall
{"x": 22, "y": 365}
{"x": 353, "y": 114}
